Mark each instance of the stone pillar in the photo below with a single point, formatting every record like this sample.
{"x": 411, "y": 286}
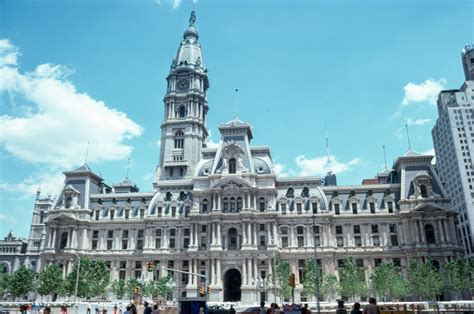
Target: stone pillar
{"x": 255, "y": 202}
{"x": 276, "y": 238}
{"x": 219, "y": 235}
{"x": 254, "y": 235}
{"x": 447, "y": 230}
{"x": 249, "y": 233}
{"x": 244, "y": 272}
{"x": 422, "y": 232}
{"x": 218, "y": 202}
{"x": 219, "y": 275}
{"x": 270, "y": 239}
{"x": 249, "y": 270}
{"x": 165, "y": 243}
{"x": 84, "y": 239}
{"x": 440, "y": 228}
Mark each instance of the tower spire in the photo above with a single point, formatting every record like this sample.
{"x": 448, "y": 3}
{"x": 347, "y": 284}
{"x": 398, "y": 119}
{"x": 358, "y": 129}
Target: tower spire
{"x": 128, "y": 168}
{"x": 87, "y": 153}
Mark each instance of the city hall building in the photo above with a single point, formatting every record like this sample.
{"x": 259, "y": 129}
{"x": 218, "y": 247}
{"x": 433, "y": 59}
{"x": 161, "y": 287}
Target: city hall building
{"x": 224, "y": 212}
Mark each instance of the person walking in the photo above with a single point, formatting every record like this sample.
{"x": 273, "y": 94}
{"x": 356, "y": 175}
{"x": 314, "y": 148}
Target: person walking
{"x": 127, "y": 310}
{"x": 356, "y": 309}
{"x": 231, "y": 310}
{"x": 156, "y": 310}
{"x": 88, "y": 308}
{"x": 147, "y": 309}
{"x": 372, "y": 307}
{"x": 262, "y": 309}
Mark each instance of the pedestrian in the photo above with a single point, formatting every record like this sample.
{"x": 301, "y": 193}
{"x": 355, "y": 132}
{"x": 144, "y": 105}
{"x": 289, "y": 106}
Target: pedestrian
{"x": 133, "y": 308}
{"x": 231, "y": 310}
{"x": 262, "y": 309}
{"x": 156, "y": 310}
{"x": 147, "y": 309}
{"x": 88, "y": 308}
{"x": 127, "y": 310}
{"x": 64, "y": 309}
{"x": 305, "y": 310}
{"x": 372, "y": 307}
{"x": 356, "y": 309}
{"x": 47, "y": 310}
{"x": 115, "y": 309}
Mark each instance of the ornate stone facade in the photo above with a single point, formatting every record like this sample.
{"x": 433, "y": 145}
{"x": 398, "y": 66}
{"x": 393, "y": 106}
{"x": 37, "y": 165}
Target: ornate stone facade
{"x": 225, "y": 213}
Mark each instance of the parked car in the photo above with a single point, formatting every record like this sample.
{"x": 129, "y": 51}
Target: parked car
{"x": 250, "y": 310}
{"x": 217, "y": 309}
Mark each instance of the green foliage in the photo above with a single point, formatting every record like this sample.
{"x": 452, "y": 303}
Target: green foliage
{"x": 330, "y": 287}
{"x": 311, "y": 274}
{"x": 352, "y": 279}
{"x": 94, "y": 278}
{"x": 50, "y": 280}
{"x": 131, "y": 284}
{"x": 21, "y": 281}
{"x": 282, "y": 272}
{"x": 159, "y": 288}
{"x": 119, "y": 288}
{"x": 424, "y": 279}
{"x": 459, "y": 275}
{"x": 4, "y": 281}
{"x": 388, "y": 282}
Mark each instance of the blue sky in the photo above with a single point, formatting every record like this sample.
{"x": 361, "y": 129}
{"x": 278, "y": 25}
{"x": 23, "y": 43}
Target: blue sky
{"x": 79, "y": 71}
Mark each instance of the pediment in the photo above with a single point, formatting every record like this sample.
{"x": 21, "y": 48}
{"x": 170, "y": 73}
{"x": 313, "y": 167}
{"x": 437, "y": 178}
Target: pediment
{"x": 62, "y": 217}
{"x": 428, "y": 208}
{"x": 231, "y": 183}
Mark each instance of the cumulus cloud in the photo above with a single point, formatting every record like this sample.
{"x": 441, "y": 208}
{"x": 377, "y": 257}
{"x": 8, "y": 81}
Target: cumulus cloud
{"x": 59, "y": 120}
{"x": 8, "y": 53}
{"x": 319, "y": 166}
{"x": 431, "y": 152}
{"x": 424, "y": 92}
{"x": 210, "y": 143}
{"x": 48, "y": 182}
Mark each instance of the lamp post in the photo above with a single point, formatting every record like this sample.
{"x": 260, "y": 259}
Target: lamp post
{"x": 316, "y": 265}
{"x": 259, "y": 285}
{"x": 77, "y": 279}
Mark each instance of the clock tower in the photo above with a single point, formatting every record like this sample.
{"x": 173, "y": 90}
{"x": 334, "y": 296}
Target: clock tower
{"x": 183, "y": 129}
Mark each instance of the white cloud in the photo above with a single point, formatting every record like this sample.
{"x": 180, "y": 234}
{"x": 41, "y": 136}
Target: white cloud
{"x": 173, "y": 3}
{"x": 430, "y": 151}
{"x": 209, "y": 141}
{"x": 424, "y": 92}
{"x": 59, "y": 120}
{"x": 48, "y": 182}
{"x": 148, "y": 176}
{"x": 280, "y": 170}
{"x": 318, "y": 166}
{"x": 8, "y": 53}
{"x": 411, "y": 121}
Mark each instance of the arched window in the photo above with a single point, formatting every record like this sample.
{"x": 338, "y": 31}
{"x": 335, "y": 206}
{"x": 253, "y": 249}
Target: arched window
{"x": 232, "y": 235}
{"x": 225, "y": 207}
{"x": 68, "y": 201}
{"x": 232, "y": 165}
{"x": 423, "y": 191}
{"x": 232, "y": 205}
{"x": 179, "y": 139}
{"x": 63, "y": 243}
{"x": 430, "y": 234}
{"x": 183, "y": 111}
{"x": 41, "y": 217}
{"x": 239, "y": 204}
{"x": 261, "y": 204}
{"x": 205, "y": 204}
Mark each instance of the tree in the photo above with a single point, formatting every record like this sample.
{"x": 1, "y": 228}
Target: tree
{"x": 311, "y": 274}
{"x": 352, "y": 279}
{"x": 21, "y": 281}
{"x": 330, "y": 287}
{"x": 388, "y": 282}
{"x": 4, "y": 282}
{"x": 282, "y": 272}
{"x": 424, "y": 279}
{"x": 459, "y": 275}
{"x": 50, "y": 280}
{"x": 119, "y": 288}
{"x": 131, "y": 284}
{"x": 159, "y": 288}
{"x": 94, "y": 278}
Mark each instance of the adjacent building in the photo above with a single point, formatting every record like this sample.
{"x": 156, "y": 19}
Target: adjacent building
{"x": 223, "y": 212}
{"x": 453, "y": 139}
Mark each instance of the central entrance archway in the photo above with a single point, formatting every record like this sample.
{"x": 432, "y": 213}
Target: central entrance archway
{"x": 232, "y": 283}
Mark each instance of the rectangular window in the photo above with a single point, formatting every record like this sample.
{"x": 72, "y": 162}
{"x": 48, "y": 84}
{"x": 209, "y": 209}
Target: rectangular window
{"x": 356, "y": 229}
{"x": 375, "y": 228}
{"x": 336, "y": 209}
{"x": 315, "y": 208}
{"x": 172, "y": 243}
{"x": 354, "y": 208}
{"x": 340, "y": 241}
{"x": 262, "y": 227}
{"x": 284, "y": 242}
{"x": 390, "y": 207}
{"x": 300, "y": 241}
{"x": 109, "y": 244}
{"x": 186, "y": 243}
{"x": 283, "y": 208}
{"x": 262, "y": 241}
{"x": 139, "y": 244}
{"x": 157, "y": 243}
{"x": 122, "y": 274}
{"x": 94, "y": 244}
{"x": 124, "y": 244}
{"x": 393, "y": 228}
{"x": 317, "y": 241}
{"x": 372, "y": 207}
{"x": 110, "y": 234}
{"x": 338, "y": 229}
{"x": 357, "y": 241}
{"x": 394, "y": 239}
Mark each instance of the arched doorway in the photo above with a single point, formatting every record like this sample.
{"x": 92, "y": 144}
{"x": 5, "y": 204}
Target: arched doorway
{"x": 232, "y": 283}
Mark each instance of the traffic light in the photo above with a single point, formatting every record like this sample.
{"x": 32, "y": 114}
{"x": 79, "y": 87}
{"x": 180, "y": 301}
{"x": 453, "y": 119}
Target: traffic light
{"x": 149, "y": 266}
{"x": 137, "y": 290}
{"x": 292, "y": 281}
{"x": 208, "y": 290}
{"x": 202, "y": 291}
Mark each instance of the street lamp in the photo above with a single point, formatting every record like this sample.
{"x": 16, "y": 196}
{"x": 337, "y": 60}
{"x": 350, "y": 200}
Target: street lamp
{"x": 316, "y": 265}
{"x": 259, "y": 285}
{"x": 77, "y": 280}
{"x": 171, "y": 284}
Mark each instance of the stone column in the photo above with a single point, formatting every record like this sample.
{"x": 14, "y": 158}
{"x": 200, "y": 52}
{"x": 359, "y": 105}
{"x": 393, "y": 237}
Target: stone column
{"x": 249, "y": 271}
{"x": 269, "y": 234}
{"x": 84, "y": 239}
{"x": 218, "y": 202}
{"x": 244, "y": 271}
{"x": 244, "y": 233}
{"x": 219, "y": 236}
{"x": 440, "y": 228}
{"x": 165, "y": 243}
{"x": 254, "y": 235}
{"x": 276, "y": 238}
{"x": 249, "y": 233}
{"x": 219, "y": 275}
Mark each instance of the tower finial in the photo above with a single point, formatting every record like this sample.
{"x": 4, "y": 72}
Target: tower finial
{"x": 87, "y": 152}
{"x": 38, "y": 191}
{"x": 192, "y": 18}
{"x": 384, "y": 157}
{"x": 408, "y": 136}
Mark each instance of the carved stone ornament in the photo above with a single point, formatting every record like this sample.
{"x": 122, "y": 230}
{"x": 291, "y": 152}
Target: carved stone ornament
{"x": 232, "y": 149}
{"x": 231, "y": 185}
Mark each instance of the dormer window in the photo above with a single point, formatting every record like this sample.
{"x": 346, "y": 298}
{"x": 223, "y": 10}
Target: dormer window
{"x": 232, "y": 165}
{"x": 261, "y": 204}
{"x": 423, "y": 191}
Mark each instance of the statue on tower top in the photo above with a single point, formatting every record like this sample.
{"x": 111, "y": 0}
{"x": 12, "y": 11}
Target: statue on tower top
{"x": 192, "y": 18}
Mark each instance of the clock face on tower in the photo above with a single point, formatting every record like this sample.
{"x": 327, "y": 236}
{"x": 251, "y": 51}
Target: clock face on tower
{"x": 183, "y": 84}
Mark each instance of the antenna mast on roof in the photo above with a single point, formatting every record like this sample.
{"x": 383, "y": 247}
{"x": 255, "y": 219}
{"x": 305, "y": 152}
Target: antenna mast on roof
{"x": 87, "y": 152}
{"x": 384, "y": 157}
{"x": 328, "y": 161}
{"x": 236, "y": 102}
{"x": 128, "y": 168}
{"x": 408, "y": 136}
